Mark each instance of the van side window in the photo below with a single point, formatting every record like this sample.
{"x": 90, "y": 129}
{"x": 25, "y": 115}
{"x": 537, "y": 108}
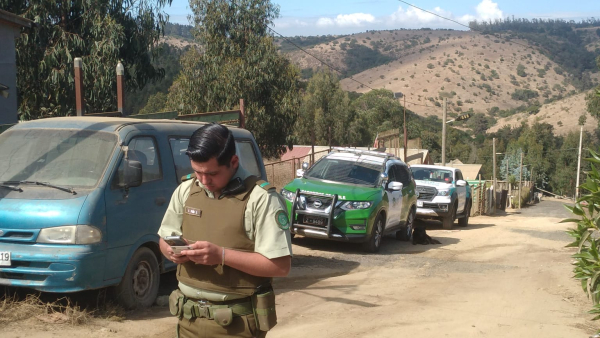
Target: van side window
{"x": 182, "y": 161}
{"x": 248, "y": 160}
{"x": 145, "y": 150}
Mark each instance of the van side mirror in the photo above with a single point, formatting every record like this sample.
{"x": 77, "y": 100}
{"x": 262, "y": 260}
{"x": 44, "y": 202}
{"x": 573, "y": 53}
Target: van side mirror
{"x": 461, "y": 183}
{"x": 132, "y": 173}
{"x": 299, "y": 173}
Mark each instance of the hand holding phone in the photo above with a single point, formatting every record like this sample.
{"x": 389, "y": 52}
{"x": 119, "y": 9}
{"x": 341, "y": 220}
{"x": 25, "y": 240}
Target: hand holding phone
{"x": 177, "y": 244}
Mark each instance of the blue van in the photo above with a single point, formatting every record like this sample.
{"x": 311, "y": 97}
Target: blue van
{"x": 82, "y": 198}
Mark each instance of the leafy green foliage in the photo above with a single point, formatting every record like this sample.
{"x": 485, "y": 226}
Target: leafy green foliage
{"x": 286, "y": 45}
{"x": 524, "y": 94}
{"x": 359, "y": 57}
{"x": 102, "y": 33}
{"x": 585, "y": 234}
{"x": 239, "y": 60}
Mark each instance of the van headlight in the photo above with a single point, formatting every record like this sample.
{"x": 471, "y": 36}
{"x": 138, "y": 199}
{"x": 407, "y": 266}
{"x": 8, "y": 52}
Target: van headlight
{"x": 355, "y": 205}
{"x": 288, "y": 195}
{"x": 70, "y": 234}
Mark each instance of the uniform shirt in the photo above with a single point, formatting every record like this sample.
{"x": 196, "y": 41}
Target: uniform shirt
{"x": 260, "y": 222}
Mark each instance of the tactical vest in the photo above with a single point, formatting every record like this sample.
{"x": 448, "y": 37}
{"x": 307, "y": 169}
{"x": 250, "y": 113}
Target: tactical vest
{"x": 219, "y": 221}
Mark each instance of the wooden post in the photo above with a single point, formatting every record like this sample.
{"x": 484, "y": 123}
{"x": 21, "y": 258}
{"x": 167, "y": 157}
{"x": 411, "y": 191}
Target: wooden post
{"x": 293, "y": 168}
{"x": 444, "y": 133}
{"x": 120, "y": 88}
{"x": 242, "y": 114}
{"x": 494, "y": 187}
{"x": 79, "y": 100}
{"x": 520, "y": 179}
{"x": 405, "y": 135}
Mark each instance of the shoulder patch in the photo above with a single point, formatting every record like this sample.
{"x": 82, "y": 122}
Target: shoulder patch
{"x": 265, "y": 185}
{"x": 187, "y": 177}
{"x": 282, "y": 220}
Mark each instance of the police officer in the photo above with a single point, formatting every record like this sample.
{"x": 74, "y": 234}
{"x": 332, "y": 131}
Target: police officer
{"x": 237, "y": 229}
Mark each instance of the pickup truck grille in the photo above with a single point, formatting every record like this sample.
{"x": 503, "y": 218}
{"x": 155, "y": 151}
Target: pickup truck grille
{"x": 426, "y": 193}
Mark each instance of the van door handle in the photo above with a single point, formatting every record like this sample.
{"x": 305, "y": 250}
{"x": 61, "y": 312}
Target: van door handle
{"x": 160, "y": 201}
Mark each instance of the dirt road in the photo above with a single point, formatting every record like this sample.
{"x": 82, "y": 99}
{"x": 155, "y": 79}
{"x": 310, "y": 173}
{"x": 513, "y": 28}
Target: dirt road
{"x": 503, "y": 276}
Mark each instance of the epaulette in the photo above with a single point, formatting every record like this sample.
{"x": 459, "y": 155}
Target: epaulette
{"x": 265, "y": 185}
{"x": 187, "y": 177}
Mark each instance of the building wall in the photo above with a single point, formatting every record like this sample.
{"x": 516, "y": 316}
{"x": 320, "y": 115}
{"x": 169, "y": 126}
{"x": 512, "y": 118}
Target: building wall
{"x": 8, "y": 73}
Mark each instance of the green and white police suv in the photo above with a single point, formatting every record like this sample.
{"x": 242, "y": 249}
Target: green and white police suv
{"x": 353, "y": 196}
{"x": 443, "y": 194}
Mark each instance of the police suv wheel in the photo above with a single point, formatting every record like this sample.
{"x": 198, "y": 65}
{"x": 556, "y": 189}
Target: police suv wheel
{"x": 139, "y": 286}
{"x": 373, "y": 242}
{"x": 405, "y": 233}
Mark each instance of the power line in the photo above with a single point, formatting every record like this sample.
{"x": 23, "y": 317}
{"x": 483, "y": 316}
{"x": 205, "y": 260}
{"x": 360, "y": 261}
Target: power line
{"x": 334, "y": 68}
{"x": 419, "y": 8}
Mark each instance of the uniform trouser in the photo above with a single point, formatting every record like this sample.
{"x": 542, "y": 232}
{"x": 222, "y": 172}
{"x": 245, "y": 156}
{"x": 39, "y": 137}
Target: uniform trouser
{"x": 241, "y": 326}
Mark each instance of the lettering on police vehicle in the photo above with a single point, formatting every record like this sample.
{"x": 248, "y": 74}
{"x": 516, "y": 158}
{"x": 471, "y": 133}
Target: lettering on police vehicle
{"x": 340, "y": 197}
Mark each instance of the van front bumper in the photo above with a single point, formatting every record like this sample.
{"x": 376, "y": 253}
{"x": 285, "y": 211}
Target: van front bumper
{"x": 53, "y": 268}
{"x": 433, "y": 210}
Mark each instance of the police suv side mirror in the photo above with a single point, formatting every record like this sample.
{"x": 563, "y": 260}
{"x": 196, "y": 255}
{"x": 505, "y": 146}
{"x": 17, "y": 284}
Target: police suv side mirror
{"x": 395, "y": 186}
{"x": 304, "y": 165}
{"x": 299, "y": 173}
{"x": 461, "y": 183}
{"x": 132, "y": 173}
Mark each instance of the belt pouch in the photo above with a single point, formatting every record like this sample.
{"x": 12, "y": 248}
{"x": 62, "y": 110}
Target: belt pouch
{"x": 265, "y": 310}
{"x": 175, "y": 303}
{"x": 223, "y": 316}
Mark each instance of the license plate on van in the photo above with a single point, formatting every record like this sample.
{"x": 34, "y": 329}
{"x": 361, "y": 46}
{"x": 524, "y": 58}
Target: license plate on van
{"x": 4, "y": 258}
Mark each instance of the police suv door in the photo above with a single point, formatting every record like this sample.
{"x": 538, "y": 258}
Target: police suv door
{"x": 394, "y": 198}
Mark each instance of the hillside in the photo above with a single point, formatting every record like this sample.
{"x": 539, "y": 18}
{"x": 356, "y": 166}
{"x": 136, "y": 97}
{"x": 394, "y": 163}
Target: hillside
{"x": 563, "y": 115}
{"x": 476, "y": 72}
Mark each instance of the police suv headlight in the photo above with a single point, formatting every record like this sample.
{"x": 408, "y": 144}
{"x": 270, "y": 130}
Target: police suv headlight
{"x": 288, "y": 195}
{"x": 443, "y": 192}
{"x": 355, "y": 205}
{"x": 70, "y": 234}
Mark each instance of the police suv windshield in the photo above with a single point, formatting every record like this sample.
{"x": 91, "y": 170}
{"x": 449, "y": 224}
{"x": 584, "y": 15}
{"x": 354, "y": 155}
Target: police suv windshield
{"x": 63, "y": 157}
{"x": 432, "y": 174}
{"x": 344, "y": 171}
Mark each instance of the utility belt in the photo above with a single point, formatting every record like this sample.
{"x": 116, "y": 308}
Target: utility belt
{"x": 262, "y": 305}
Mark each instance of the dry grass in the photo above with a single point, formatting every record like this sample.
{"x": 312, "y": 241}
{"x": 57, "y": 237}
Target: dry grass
{"x": 61, "y": 311}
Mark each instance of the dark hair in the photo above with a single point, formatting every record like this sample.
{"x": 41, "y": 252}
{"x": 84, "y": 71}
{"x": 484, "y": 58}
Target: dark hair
{"x": 212, "y": 140}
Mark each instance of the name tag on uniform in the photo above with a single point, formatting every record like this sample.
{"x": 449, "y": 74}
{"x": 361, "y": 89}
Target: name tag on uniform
{"x": 193, "y": 211}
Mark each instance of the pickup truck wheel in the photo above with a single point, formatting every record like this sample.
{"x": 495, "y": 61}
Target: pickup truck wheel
{"x": 463, "y": 222}
{"x": 449, "y": 220}
{"x": 405, "y": 233}
{"x": 373, "y": 242}
{"x": 139, "y": 286}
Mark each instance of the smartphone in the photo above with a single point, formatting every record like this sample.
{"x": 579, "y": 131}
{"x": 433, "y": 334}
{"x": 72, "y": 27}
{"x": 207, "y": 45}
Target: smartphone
{"x": 178, "y": 249}
{"x": 175, "y": 240}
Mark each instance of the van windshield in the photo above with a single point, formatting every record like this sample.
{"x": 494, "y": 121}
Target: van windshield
{"x": 64, "y": 157}
{"x": 345, "y": 171}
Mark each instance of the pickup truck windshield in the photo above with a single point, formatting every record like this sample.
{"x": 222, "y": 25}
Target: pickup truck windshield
{"x": 345, "y": 172}
{"x": 431, "y": 174}
{"x": 63, "y": 157}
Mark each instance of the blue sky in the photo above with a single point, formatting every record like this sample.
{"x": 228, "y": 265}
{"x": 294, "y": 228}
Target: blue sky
{"x": 320, "y": 17}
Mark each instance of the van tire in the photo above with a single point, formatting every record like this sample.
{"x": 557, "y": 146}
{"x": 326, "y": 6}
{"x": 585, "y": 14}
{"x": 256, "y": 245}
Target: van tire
{"x": 139, "y": 286}
{"x": 464, "y": 221}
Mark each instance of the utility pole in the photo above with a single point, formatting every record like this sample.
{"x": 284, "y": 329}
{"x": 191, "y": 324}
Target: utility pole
{"x": 405, "y": 136}
{"x": 494, "y": 171}
{"x": 444, "y": 132}
{"x": 520, "y": 179}
{"x": 578, "y": 163}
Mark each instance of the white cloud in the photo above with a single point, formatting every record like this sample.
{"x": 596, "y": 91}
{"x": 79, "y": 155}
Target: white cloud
{"x": 347, "y": 20}
{"x": 488, "y": 10}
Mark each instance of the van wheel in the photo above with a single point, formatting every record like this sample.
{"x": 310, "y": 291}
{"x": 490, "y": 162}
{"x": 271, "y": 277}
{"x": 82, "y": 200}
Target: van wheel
{"x": 405, "y": 233}
{"x": 373, "y": 242}
{"x": 449, "y": 220}
{"x": 139, "y": 286}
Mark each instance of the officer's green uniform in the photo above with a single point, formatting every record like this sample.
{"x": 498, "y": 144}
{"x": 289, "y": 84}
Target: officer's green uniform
{"x": 251, "y": 218}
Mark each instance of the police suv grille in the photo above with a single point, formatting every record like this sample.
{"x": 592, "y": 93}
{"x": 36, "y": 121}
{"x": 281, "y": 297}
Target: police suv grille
{"x": 317, "y": 202}
{"x": 426, "y": 193}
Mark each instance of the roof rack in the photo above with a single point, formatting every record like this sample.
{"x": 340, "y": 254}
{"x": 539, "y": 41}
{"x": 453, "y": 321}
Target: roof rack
{"x": 366, "y": 152}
